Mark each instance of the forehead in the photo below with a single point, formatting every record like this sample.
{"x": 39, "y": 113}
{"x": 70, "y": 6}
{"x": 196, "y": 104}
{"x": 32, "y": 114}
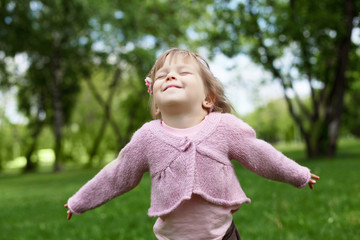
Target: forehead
{"x": 178, "y": 59}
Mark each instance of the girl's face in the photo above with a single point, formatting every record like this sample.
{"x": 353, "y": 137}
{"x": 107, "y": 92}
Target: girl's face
{"x": 178, "y": 86}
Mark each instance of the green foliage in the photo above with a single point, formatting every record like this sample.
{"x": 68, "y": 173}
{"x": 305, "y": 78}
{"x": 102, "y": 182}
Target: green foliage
{"x": 273, "y": 123}
{"x": 85, "y": 121}
{"x": 47, "y": 32}
{"x": 129, "y": 111}
{"x": 10, "y": 135}
{"x": 52, "y": 35}
{"x": 351, "y": 123}
{"x": 67, "y": 42}
{"x": 307, "y": 41}
{"x": 32, "y": 205}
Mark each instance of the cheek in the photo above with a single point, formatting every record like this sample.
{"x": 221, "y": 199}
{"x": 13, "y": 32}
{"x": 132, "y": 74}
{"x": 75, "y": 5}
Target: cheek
{"x": 156, "y": 85}
{"x": 199, "y": 88}
{"x": 156, "y": 90}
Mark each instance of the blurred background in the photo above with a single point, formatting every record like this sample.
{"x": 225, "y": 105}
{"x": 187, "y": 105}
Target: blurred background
{"x": 72, "y": 93}
{"x": 71, "y": 72}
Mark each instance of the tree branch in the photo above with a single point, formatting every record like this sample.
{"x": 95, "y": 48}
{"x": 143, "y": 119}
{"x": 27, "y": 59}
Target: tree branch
{"x": 276, "y": 73}
{"x": 106, "y": 105}
{"x": 107, "y": 113}
{"x": 301, "y": 105}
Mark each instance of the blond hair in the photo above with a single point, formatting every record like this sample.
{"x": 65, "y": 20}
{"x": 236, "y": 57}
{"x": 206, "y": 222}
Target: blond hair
{"x": 213, "y": 87}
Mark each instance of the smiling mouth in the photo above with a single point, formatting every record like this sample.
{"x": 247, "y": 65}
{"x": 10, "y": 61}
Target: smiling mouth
{"x": 171, "y": 86}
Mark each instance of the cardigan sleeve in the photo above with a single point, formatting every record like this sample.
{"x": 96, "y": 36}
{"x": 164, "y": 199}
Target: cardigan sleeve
{"x": 116, "y": 178}
{"x": 261, "y": 158}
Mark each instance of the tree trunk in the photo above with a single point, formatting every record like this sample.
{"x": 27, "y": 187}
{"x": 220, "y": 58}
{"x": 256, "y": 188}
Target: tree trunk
{"x": 37, "y": 127}
{"x": 57, "y": 102}
{"x": 30, "y": 164}
{"x": 336, "y": 98}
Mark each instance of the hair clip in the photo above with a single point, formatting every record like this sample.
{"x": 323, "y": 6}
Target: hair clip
{"x": 149, "y": 83}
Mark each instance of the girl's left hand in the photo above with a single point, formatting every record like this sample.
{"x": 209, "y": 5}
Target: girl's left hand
{"x": 312, "y": 182}
{"x": 69, "y": 213}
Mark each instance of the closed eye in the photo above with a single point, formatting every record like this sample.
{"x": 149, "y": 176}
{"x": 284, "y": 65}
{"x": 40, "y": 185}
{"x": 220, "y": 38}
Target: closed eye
{"x": 160, "y": 76}
{"x": 185, "y": 73}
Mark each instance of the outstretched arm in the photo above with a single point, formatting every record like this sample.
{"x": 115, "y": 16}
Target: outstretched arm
{"x": 262, "y": 158}
{"x": 116, "y": 178}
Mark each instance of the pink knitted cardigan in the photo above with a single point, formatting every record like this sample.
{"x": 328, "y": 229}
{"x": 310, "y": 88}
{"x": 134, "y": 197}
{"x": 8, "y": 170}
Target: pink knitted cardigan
{"x": 180, "y": 166}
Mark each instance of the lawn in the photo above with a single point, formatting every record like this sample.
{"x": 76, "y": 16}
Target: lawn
{"x": 32, "y": 205}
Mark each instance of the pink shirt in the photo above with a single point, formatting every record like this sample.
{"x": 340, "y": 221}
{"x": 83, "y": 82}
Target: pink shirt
{"x": 195, "y": 218}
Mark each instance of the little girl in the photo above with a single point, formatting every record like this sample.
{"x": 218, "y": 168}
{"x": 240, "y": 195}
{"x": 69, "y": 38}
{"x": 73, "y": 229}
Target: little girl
{"x": 188, "y": 152}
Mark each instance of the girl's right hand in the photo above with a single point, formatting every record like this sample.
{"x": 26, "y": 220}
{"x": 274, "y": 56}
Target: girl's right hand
{"x": 69, "y": 213}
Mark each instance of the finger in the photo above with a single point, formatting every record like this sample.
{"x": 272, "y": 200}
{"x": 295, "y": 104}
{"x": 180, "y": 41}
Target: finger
{"x": 312, "y": 183}
{"x": 69, "y": 215}
{"x": 66, "y": 206}
{"x": 315, "y": 176}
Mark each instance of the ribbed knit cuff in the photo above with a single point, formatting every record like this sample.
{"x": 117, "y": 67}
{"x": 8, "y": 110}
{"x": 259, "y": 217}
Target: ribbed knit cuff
{"x": 307, "y": 179}
{"x": 72, "y": 210}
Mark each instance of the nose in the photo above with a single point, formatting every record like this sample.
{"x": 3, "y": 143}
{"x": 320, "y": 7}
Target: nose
{"x": 170, "y": 76}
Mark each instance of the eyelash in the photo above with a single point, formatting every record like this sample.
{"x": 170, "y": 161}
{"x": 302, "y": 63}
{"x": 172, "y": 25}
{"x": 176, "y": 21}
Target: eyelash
{"x": 181, "y": 73}
{"x": 161, "y": 76}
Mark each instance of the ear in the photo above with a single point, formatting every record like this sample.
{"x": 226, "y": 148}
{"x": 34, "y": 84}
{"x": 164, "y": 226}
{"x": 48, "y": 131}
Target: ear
{"x": 208, "y": 103}
{"x": 157, "y": 110}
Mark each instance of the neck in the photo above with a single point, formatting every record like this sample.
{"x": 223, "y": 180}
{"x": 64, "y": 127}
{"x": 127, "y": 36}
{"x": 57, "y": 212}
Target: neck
{"x": 183, "y": 120}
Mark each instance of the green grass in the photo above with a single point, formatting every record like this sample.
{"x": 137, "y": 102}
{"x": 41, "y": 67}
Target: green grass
{"x": 32, "y": 205}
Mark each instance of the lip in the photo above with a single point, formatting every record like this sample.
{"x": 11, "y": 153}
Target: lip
{"x": 171, "y": 86}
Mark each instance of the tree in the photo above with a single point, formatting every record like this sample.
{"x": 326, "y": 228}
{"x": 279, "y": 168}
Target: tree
{"x": 307, "y": 41}
{"x": 55, "y": 38}
{"x": 132, "y": 35}
{"x": 66, "y": 42}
